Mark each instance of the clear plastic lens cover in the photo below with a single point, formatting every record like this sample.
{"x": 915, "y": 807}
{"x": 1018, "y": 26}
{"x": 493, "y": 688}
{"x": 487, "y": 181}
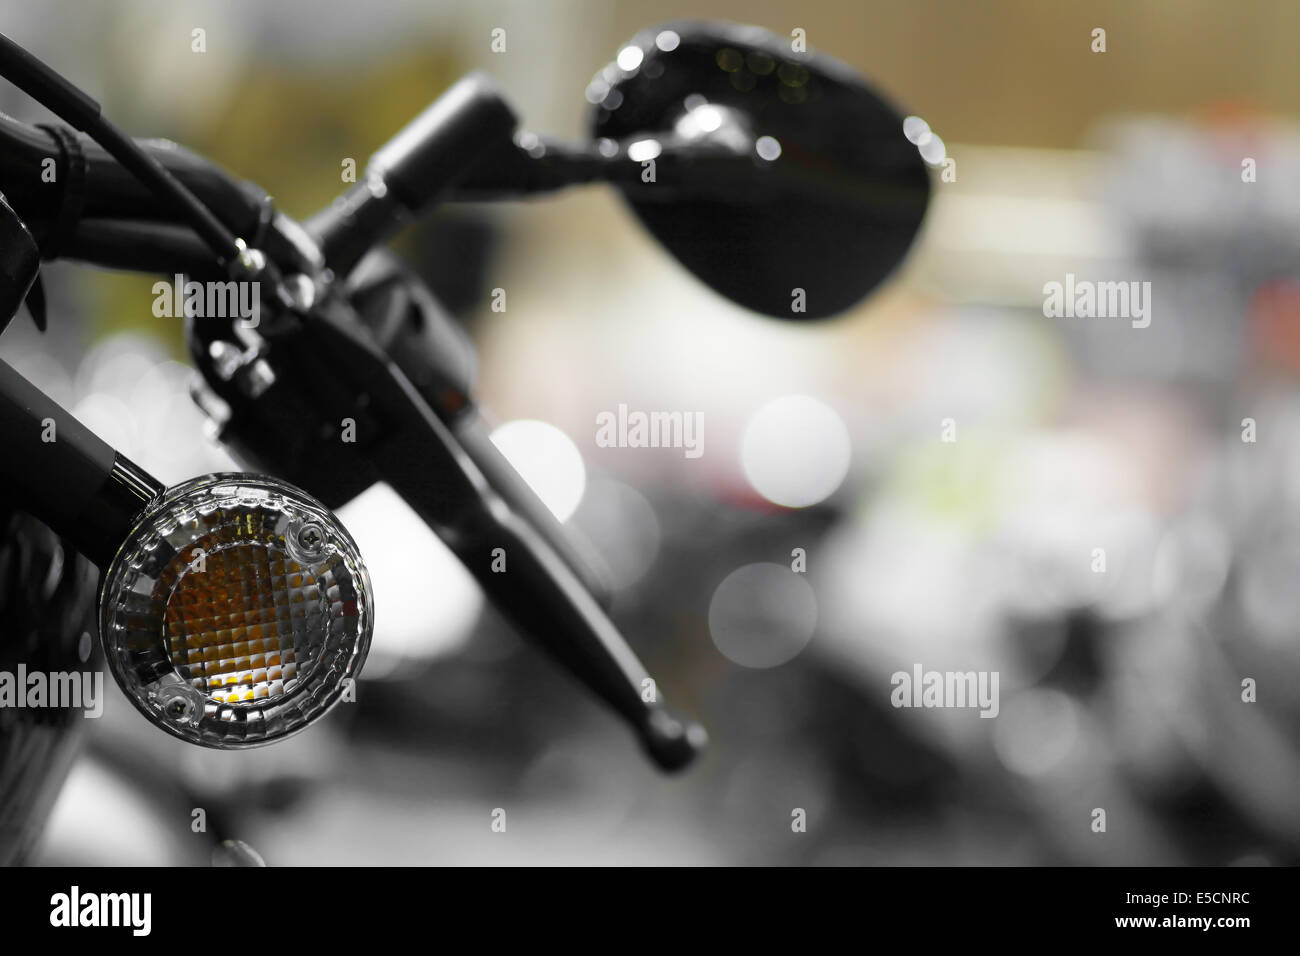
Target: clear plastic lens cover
{"x": 236, "y": 610}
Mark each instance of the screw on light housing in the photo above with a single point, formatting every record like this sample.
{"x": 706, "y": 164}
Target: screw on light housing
{"x": 235, "y": 611}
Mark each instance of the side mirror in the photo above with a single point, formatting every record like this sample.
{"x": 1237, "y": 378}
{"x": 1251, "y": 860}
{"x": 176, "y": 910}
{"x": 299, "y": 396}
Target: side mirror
{"x": 785, "y": 171}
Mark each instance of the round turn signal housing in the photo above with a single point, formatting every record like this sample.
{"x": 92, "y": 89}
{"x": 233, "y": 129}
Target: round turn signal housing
{"x": 236, "y": 612}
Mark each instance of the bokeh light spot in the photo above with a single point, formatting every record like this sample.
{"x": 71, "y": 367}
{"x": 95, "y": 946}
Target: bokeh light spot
{"x": 762, "y": 615}
{"x": 548, "y": 460}
{"x": 795, "y": 451}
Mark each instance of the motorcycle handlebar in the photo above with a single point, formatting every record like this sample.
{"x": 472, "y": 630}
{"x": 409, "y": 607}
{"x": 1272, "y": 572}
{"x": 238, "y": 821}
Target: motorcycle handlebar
{"x": 414, "y": 168}
{"x": 119, "y": 222}
{"x": 110, "y": 191}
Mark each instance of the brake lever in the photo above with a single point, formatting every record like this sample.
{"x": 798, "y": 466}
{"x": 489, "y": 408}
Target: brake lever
{"x": 282, "y": 400}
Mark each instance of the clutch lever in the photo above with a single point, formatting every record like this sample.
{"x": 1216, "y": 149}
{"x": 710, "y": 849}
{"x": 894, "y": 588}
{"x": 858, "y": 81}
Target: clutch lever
{"x": 535, "y": 588}
{"x": 282, "y": 397}
{"x": 411, "y": 327}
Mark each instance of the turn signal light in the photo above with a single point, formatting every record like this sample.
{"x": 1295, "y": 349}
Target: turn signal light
{"x": 236, "y": 611}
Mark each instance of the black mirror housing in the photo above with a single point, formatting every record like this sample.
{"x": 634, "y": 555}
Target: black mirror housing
{"x": 837, "y": 193}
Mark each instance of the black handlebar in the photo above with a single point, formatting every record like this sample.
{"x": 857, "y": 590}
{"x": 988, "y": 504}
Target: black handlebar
{"x": 407, "y": 174}
{"x": 108, "y": 190}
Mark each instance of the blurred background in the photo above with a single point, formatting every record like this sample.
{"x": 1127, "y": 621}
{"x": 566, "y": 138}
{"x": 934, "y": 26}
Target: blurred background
{"x": 1120, "y": 690}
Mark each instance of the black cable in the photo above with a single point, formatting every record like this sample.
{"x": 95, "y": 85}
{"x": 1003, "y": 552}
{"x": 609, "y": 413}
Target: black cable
{"x": 67, "y": 101}
{"x": 140, "y": 246}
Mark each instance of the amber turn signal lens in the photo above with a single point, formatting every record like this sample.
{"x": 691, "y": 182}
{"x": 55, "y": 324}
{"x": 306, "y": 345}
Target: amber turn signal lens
{"x": 236, "y": 612}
